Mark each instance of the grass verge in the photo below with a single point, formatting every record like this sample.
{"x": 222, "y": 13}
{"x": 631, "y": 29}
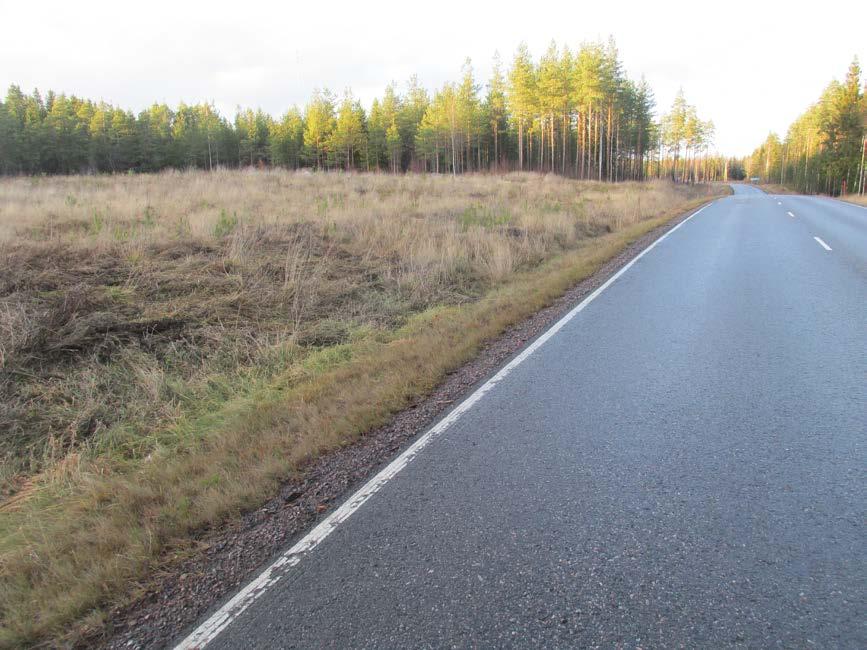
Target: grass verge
{"x": 857, "y": 199}
{"x": 774, "y": 188}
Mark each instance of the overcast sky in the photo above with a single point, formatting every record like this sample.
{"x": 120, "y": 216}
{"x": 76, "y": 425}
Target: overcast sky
{"x": 750, "y": 67}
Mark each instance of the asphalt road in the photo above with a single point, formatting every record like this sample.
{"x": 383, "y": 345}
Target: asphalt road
{"x": 682, "y": 464}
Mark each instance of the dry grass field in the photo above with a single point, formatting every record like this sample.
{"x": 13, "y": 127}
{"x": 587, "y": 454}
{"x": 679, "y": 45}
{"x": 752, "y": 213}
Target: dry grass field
{"x": 860, "y": 199}
{"x": 774, "y": 188}
{"x": 174, "y": 345}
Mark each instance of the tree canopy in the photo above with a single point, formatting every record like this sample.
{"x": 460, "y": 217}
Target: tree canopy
{"x": 572, "y": 112}
{"x": 823, "y": 150}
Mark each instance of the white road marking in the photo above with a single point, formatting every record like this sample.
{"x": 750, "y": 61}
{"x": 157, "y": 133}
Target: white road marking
{"x": 822, "y": 244}
{"x": 791, "y": 215}
{"x": 830, "y": 199}
{"x": 779, "y": 203}
{"x": 219, "y": 620}
{"x": 849, "y": 203}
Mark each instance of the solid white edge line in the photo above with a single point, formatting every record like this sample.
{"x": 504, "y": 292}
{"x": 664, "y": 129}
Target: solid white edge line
{"x": 219, "y": 620}
{"x": 822, "y": 244}
{"x": 791, "y": 215}
{"x": 846, "y": 203}
{"x": 832, "y": 199}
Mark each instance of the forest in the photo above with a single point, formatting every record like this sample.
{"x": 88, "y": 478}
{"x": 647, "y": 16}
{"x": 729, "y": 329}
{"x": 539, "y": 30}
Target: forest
{"x": 824, "y": 149}
{"x": 573, "y": 113}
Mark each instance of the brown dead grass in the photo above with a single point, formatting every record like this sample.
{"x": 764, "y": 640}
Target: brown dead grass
{"x": 175, "y": 345}
{"x": 776, "y": 188}
{"x": 858, "y": 199}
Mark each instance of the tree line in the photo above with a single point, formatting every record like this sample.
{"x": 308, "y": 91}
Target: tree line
{"x": 571, "y": 112}
{"x": 824, "y": 149}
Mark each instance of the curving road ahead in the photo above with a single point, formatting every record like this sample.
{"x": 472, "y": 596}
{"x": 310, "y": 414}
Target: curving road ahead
{"x": 681, "y": 464}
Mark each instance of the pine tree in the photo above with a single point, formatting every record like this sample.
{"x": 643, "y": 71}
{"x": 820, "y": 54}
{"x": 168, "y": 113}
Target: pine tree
{"x": 823, "y": 148}
{"x": 349, "y": 136}
{"x": 495, "y": 112}
{"x": 522, "y": 96}
{"x": 570, "y": 113}
{"x": 318, "y": 125}
{"x": 287, "y": 140}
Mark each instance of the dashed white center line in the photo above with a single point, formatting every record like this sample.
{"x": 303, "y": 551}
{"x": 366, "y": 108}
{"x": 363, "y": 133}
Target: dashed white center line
{"x": 822, "y": 244}
{"x": 791, "y": 215}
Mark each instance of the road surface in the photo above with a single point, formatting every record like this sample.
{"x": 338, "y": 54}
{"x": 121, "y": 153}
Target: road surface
{"x": 681, "y": 464}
